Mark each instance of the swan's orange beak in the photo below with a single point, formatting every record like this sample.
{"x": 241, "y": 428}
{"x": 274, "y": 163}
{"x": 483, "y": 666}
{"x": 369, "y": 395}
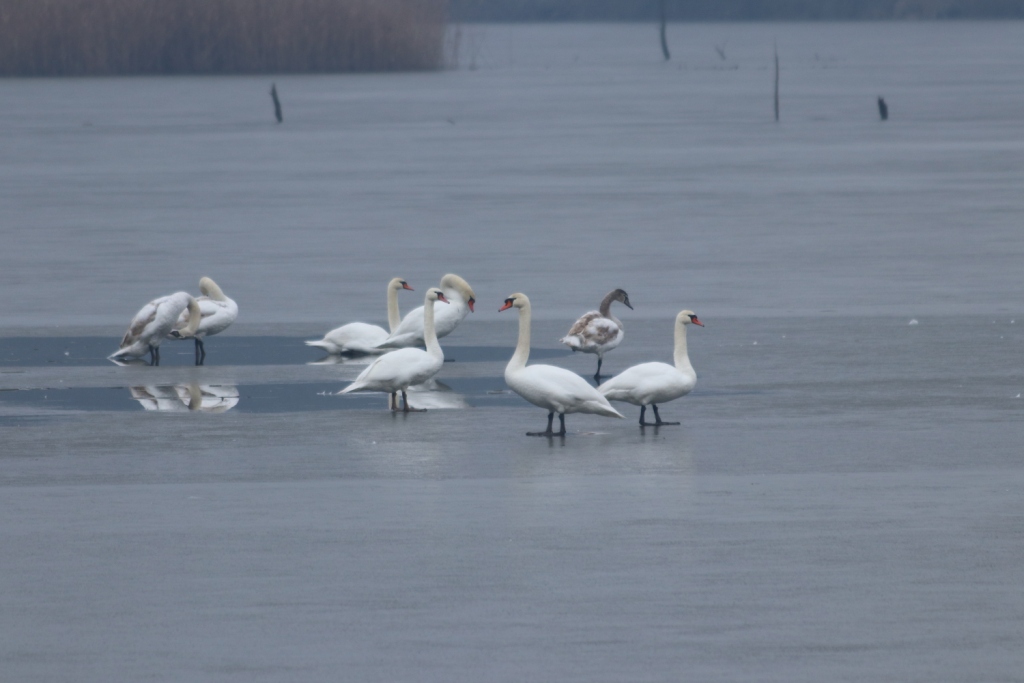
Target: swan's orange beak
{"x": 471, "y": 303}
{"x": 508, "y": 305}
{"x": 696, "y": 321}
{"x": 405, "y": 285}
{"x": 441, "y": 297}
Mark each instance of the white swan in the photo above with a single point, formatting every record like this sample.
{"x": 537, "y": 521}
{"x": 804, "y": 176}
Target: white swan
{"x": 363, "y": 338}
{"x": 598, "y": 331}
{"x": 649, "y": 384}
{"x": 555, "y": 389}
{"x": 395, "y": 371}
{"x": 153, "y": 322}
{"x": 218, "y": 312}
{"x": 447, "y": 318}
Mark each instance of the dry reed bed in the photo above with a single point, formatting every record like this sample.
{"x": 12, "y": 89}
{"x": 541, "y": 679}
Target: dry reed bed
{"x": 104, "y": 37}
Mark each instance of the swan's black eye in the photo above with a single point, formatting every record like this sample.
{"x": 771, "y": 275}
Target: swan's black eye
{"x": 509, "y": 301}
{"x": 472, "y": 300}
{"x": 693, "y": 316}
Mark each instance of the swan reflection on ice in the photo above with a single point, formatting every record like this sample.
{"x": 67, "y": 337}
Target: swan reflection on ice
{"x": 436, "y": 395}
{"x": 208, "y": 398}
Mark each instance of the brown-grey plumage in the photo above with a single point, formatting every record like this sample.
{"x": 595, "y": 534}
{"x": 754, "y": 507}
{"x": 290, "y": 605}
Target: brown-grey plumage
{"x": 153, "y": 322}
{"x": 598, "y": 331}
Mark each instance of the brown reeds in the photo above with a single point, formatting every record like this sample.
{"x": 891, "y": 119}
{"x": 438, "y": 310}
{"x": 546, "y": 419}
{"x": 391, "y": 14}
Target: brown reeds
{"x": 101, "y": 37}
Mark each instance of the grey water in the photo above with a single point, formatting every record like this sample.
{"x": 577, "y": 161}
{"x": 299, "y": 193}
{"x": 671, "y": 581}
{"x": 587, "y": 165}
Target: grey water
{"x": 843, "y": 499}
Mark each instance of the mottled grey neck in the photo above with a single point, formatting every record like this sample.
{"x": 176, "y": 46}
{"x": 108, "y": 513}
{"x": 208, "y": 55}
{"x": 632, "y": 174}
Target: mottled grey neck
{"x": 606, "y": 305}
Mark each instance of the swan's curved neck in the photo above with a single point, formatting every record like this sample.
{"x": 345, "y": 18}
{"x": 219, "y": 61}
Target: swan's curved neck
{"x": 522, "y": 353}
{"x": 429, "y": 334}
{"x": 681, "y": 357}
{"x": 394, "y": 317}
{"x": 213, "y": 291}
{"x": 606, "y": 309}
{"x": 195, "y": 316}
{"x": 606, "y": 305}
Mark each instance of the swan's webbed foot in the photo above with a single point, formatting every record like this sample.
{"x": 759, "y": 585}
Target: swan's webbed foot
{"x": 658, "y": 421}
{"x": 407, "y": 409}
{"x": 550, "y": 432}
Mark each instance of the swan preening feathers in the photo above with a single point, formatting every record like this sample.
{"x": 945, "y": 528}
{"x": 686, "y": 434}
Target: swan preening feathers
{"x": 598, "y": 331}
{"x": 362, "y": 338}
{"x": 154, "y": 322}
{"x": 649, "y": 384}
{"x": 555, "y": 389}
{"x": 218, "y": 311}
{"x": 396, "y": 371}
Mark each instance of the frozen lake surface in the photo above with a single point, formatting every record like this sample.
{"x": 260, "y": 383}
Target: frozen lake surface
{"x": 842, "y": 502}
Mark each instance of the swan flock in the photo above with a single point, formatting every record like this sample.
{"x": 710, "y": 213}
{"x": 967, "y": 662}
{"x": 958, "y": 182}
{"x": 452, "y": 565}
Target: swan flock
{"x": 400, "y": 365}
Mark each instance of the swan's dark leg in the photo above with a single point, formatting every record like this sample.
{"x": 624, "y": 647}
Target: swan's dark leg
{"x": 549, "y": 432}
{"x": 154, "y": 355}
{"x": 200, "y": 351}
{"x": 393, "y": 401}
{"x": 597, "y": 375}
{"x": 405, "y": 405}
{"x": 657, "y": 418}
{"x": 561, "y": 421}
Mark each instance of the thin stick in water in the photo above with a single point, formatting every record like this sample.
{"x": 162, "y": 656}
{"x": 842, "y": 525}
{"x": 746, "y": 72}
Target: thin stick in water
{"x": 664, "y": 41}
{"x": 776, "y": 82}
{"x": 277, "y": 102}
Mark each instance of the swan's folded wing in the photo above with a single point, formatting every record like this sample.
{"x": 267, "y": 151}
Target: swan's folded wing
{"x": 367, "y": 372}
{"x": 636, "y": 379}
{"x": 580, "y": 326}
{"x": 564, "y": 386}
{"x": 398, "y": 341}
{"x": 601, "y": 331}
{"x": 143, "y": 318}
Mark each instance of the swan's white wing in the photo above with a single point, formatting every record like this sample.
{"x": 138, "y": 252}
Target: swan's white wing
{"x": 446, "y": 318}
{"x": 559, "y": 390}
{"x": 648, "y": 383}
{"x": 352, "y": 338}
{"x": 396, "y": 370}
{"x": 412, "y": 324}
{"x": 217, "y": 316}
{"x": 152, "y": 323}
{"x": 142, "y": 319}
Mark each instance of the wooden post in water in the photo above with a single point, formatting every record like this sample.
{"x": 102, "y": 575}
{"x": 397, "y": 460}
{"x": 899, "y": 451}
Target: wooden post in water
{"x": 277, "y": 102}
{"x": 776, "y": 82}
{"x": 663, "y": 7}
{"x": 883, "y": 109}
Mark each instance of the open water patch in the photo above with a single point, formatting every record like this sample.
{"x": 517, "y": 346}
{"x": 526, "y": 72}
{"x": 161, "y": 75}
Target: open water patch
{"x": 454, "y": 394}
{"x": 220, "y": 351}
